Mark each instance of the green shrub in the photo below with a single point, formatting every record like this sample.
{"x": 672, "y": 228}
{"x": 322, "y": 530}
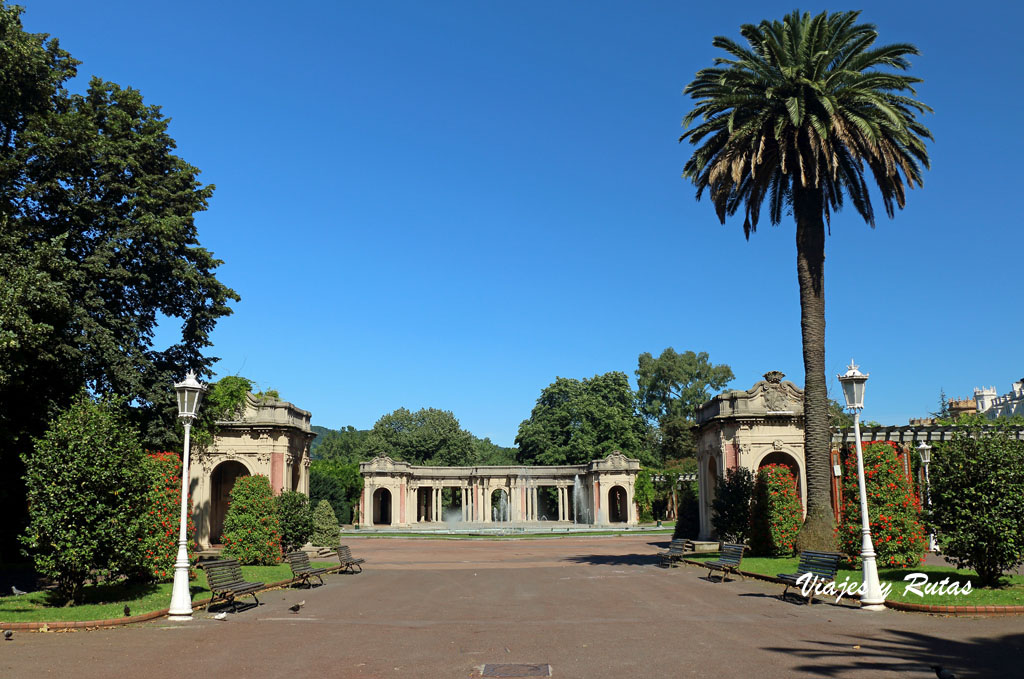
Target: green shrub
{"x": 162, "y": 517}
{"x": 296, "y": 519}
{"x": 339, "y": 483}
{"x": 977, "y": 493}
{"x": 252, "y": 533}
{"x": 731, "y": 506}
{"x": 86, "y": 489}
{"x": 643, "y": 495}
{"x": 325, "y": 526}
{"x": 775, "y": 512}
{"x": 894, "y": 510}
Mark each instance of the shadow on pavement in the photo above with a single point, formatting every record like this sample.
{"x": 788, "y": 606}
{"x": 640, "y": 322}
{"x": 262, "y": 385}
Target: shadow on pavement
{"x": 906, "y": 651}
{"x": 614, "y": 559}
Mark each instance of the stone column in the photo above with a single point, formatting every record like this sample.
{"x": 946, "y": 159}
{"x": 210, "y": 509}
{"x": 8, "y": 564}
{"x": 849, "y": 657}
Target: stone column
{"x": 561, "y": 503}
{"x": 462, "y": 491}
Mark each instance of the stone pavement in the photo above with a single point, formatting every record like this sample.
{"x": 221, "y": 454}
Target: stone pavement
{"x": 591, "y": 607}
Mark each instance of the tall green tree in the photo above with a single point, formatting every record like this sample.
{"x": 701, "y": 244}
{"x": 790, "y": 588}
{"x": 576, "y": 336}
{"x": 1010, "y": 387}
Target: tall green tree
{"x": 97, "y": 242}
{"x": 796, "y": 116}
{"x": 670, "y": 388}
{"x": 576, "y": 421}
{"x": 427, "y": 436}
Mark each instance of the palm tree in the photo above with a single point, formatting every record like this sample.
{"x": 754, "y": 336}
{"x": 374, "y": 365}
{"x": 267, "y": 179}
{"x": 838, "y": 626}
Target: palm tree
{"x": 793, "y": 118}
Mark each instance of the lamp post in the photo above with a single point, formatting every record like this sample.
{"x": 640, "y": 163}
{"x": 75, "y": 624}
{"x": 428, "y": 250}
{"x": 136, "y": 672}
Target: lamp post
{"x": 190, "y": 394}
{"x": 872, "y": 599}
{"x": 925, "y": 451}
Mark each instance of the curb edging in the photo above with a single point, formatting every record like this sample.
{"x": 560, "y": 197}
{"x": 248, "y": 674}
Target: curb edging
{"x": 987, "y": 611}
{"x": 142, "y": 617}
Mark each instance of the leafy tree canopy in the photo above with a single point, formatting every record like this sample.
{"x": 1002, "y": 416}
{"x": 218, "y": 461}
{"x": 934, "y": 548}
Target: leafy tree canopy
{"x": 576, "y": 421}
{"x": 671, "y": 388}
{"x": 97, "y": 243}
{"x": 427, "y": 436}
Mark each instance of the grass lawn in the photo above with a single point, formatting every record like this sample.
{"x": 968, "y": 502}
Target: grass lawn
{"x": 1011, "y": 595}
{"x": 105, "y": 601}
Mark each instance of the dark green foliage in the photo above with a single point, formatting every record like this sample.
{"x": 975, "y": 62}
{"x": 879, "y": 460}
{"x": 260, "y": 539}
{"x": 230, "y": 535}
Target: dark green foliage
{"x": 325, "y": 526}
{"x": 775, "y": 512}
{"x": 731, "y": 506}
{"x": 252, "y": 533}
{"x": 644, "y": 494}
{"x": 894, "y": 510}
{"x": 977, "y": 494}
{"x": 797, "y": 117}
{"x": 342, "y": 445}
{"x": 576, "y": 421}
{"x": 224, "y": 400}
{"x": 97, "y": 242}
{"x": 670, "y": 389}
{"x": 87, "y": 491}
{"x": 427, "y": 436}
{"x": 296, "y": 519}
{"x": 339, "y": 484}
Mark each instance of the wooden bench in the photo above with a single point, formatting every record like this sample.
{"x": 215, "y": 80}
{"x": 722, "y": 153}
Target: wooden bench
{"x": 301, "y": 568}
{"x": 728, "y": 561}
{"x": 821, "y": 564}
{"x": 348, "y": 562}
{"x": 224, "y": 578}
{"x": 671, "y": 556}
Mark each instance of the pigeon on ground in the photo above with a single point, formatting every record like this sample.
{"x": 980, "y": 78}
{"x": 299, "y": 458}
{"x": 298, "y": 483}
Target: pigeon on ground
{"x": 127, "y": 611}
{"x": 296, "y": 607}
{"x": 220, "y": 616}
{"x": 8, "y": 635}
{"x": 16, "y": 592}
{"x": 942, "y": 673}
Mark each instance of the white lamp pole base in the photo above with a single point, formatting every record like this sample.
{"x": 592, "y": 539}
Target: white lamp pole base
{"x": 872, "y": 599}
{"x": 181, "y": 596}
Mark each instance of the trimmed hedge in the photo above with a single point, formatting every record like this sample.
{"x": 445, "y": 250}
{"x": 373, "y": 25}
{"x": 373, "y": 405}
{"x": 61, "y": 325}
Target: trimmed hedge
{"x": 775, "y": 513}
{"x": 252, "y": 532}
{"x": 325, "y": 526}
{"x": 894, "y": 509}
{"x": 296, "y": 519}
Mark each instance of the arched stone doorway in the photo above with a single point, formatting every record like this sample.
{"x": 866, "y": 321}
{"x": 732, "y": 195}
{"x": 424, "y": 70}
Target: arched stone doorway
{"x": 382, "y": 507}
{"x": 222, "y": 480}
{"x": 787, "y": 460}
{"x": 499, "y": 506}
{"x": 618, "y": 512}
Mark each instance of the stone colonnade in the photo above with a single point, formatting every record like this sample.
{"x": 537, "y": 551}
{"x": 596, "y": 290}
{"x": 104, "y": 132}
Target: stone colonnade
{"x": 399, "y": 494}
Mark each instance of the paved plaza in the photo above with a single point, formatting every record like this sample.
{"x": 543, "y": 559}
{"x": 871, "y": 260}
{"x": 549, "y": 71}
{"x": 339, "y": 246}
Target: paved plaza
{"x": 590, "y": 607}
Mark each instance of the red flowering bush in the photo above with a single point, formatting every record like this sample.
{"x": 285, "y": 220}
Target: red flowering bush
{"x": 162, "y": 519}
{"x": 775, "y": 513}
{"x": 252, "y": 531}
{"x": 894, "y": 509}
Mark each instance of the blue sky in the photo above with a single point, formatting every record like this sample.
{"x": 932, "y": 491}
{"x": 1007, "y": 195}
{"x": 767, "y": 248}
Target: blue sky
{"x": 449, "y": 204}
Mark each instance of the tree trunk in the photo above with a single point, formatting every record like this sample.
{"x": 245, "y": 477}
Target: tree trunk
{"x": 818, "y": 531}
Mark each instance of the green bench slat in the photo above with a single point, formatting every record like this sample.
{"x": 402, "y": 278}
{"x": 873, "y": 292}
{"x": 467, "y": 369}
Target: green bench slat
{"x": 225, "y": 580}
{"x": 824, "y": 565}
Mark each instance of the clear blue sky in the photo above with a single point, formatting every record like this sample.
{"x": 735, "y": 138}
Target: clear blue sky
{"x": 449, "y": 204}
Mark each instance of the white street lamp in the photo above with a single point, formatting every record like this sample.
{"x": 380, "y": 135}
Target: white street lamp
{"x": 190, "y": 394}
{"x": 853, "y": 382}
{"x": 925, "y": 451}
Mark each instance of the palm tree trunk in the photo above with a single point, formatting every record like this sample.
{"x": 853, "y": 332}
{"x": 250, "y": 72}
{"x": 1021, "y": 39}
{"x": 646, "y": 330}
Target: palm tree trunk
{"x": 817, "y": 532}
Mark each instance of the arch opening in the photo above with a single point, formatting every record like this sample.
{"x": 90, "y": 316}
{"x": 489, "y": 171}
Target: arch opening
{"x": 618, "y": 512}
{"x": 382, "y": 507}
{"x": 222, "y": 481}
